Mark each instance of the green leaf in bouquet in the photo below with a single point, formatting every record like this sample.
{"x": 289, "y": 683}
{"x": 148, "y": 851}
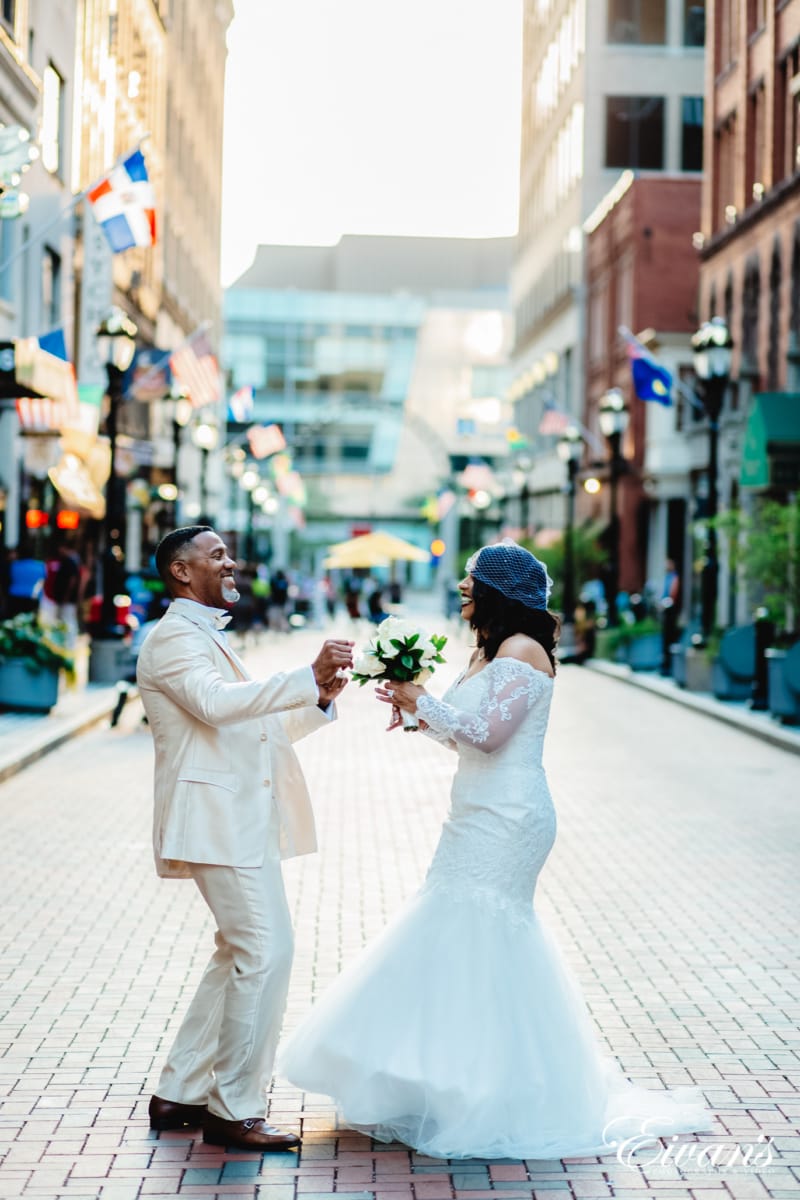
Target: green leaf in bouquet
{"x": 407, "y": 661}
{"x": 412, "y": 641}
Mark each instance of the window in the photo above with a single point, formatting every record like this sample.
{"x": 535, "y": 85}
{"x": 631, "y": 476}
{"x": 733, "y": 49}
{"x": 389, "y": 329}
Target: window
{"x": 694, "y": 23}
{"x": 52, "y": 120}
{"x": 790, "y": 86}
{"x": 635, "y": 132}
{"x": 756, "y": 144}
{"x": 8, "y": 11}
{"x": 751, "y": 300}
{"x": 637, "y": 22}
{"x": 724, "y": 178}
{"x": 51, "y": 287}
{"x": 756, "y": 16}
{"x": 773, "y": 355}
{"x": 727, "y": 37}
{"x": 692, "y": 134}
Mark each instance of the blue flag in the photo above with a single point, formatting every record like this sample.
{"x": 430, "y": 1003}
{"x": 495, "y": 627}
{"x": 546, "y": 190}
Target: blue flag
{"x": 651, "y": 381}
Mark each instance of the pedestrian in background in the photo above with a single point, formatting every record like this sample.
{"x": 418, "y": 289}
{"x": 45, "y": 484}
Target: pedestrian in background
{"x": 669, "y": 606}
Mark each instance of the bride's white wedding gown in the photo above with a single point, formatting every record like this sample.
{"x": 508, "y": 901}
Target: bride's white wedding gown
{"x": 459, "y": 1031}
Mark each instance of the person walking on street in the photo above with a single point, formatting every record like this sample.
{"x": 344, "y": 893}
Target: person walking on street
{"x": 669, "y": 605}
{"x": 230, "y": 802}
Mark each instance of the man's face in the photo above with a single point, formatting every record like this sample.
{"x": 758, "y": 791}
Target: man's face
{"x": 204, "y": 571}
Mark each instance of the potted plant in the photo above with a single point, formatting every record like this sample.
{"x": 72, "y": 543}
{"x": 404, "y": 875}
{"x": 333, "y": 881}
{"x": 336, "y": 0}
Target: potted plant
{"x": 31, "y": 659}
{"x": 766, "y": 544}
{"x": 637, "y": 643}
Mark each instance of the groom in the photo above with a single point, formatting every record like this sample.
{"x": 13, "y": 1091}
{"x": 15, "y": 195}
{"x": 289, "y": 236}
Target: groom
{"x": 230, "y": 802}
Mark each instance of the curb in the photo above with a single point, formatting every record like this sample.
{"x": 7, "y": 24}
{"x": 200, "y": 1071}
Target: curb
{"x": 760, "y": 726}
{"x": 50, "y": 739}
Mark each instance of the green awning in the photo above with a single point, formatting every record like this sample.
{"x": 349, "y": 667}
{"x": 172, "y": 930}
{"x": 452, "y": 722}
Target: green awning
{"x": 771, "y": 451}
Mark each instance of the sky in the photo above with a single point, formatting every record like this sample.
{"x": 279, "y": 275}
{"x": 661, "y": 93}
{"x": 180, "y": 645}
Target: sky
{"x": 369, "y": 116}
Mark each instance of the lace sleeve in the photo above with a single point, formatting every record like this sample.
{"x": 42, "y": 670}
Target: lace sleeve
{"x": 443, "y": 739}
{"x": 512, "y": 688}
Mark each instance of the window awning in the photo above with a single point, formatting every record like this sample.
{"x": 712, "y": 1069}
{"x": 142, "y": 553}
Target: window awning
{"x": 771, "y": 451}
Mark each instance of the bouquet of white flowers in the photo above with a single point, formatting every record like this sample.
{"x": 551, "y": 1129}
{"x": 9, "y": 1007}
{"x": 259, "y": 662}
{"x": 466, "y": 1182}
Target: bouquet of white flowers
{"x": 399, "y": 651}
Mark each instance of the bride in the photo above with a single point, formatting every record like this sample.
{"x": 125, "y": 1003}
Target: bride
{"x": 459, "y": 1030}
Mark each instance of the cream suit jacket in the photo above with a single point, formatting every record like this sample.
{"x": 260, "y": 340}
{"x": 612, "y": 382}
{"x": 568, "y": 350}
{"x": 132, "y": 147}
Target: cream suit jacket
{"x": 222, "y": 749}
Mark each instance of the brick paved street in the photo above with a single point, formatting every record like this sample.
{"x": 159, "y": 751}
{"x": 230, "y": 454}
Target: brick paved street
{"x": 673, "y": 890}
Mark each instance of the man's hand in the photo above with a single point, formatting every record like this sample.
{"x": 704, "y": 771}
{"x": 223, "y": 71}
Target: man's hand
{"x": 334, "y": 656}
{"x": 329, "y": 691}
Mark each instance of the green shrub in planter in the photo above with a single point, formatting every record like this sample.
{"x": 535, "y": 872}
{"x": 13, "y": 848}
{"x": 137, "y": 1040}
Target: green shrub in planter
{"x": 31, "y": 658}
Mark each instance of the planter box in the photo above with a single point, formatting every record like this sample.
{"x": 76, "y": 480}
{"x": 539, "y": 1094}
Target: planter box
{"x": 644, "y": 653}
{"x": 783, "y": 688}
{"x": 28, "y": 691}
{"x": 698, "y": 670}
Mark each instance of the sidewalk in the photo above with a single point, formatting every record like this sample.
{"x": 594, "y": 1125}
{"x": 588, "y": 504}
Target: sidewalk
{"x": 732, "y": 712}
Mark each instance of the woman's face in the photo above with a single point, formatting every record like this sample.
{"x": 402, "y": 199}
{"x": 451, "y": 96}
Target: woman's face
{"x": 467, "y": 603}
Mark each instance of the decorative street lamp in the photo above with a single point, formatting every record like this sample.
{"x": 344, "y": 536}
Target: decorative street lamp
{"x": 712, "y": 348}
{"x": 181, "y": 416}
{"x": 116, "y": 345}
{"x": 613, "y": 417}
{"x": 569, "y": 448}
{"x": 205, "y": 435}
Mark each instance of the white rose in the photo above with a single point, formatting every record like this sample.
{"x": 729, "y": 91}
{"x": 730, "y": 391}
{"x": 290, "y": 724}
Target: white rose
{"x": 368, "y": 664}
{"x": 395, "y": 627}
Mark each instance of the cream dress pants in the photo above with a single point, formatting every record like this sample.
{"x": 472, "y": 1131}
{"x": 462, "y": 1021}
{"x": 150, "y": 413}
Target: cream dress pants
{"x": 224, "y": 1051}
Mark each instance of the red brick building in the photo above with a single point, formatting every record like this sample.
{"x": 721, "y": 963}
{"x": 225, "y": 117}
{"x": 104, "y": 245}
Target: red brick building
{"x": 642, "y": 272}
{"x": 750, "y": 240}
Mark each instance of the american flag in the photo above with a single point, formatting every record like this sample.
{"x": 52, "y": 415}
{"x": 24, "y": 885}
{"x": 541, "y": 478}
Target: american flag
{"x": 38, "y": 414}
{"x": 197, "y": 369}
{"x": 265, "y": 440}
{"x": 554, "y": 420}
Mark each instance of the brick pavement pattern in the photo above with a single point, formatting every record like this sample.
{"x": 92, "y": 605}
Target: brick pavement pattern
{"x": 673, "y": 890}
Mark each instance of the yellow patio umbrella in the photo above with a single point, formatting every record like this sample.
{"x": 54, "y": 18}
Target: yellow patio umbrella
{"x": 377, "y": 549}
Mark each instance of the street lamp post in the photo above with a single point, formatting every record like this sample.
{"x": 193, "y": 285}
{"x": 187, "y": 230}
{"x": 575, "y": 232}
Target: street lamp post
{"x": 116, "y": 345}
{"x": 613, "y": 418}
{"x": 712, "y": 348}
{"x": 570, "y": 450}
{"x": 181, "y": 415}
{"x": 205, "y": 436}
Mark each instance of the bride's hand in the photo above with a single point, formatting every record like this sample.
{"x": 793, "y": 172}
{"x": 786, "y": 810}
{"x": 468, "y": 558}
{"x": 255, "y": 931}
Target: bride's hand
{"x": 401, "y": 695}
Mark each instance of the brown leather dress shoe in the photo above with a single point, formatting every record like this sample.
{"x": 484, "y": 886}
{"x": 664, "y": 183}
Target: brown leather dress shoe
{"x": 252, "y": 1134}
{"x": 167, "y": 1114}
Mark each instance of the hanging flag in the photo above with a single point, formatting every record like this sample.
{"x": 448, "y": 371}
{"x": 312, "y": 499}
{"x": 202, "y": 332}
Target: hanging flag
{"x": 197, "y": 369}
{"x": 516, "y": 440}
{"x": 151, "y": 376}
{"x": 123, "y": 204}
{"x": 554, "y": 420}
{"x": 265, "y": 440}
{"x": 240, "y": 405}
{"x": 651, "y": 381}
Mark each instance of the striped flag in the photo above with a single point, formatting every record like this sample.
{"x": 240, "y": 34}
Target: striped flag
{"x": 197, "y": 369}
{"x": 240, "y": 405}
{"x": 265, "y": 440}
{"x": 554, "y": 420}
{"x": 123, "y": 204}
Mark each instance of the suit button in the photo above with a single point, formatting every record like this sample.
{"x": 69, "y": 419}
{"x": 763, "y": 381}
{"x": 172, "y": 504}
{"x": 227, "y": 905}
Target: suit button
{"x": 263, "y": 737}
{"x": 267, "y": 782}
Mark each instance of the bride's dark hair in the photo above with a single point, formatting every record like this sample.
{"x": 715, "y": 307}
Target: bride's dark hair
{"x": 495, "y": 617}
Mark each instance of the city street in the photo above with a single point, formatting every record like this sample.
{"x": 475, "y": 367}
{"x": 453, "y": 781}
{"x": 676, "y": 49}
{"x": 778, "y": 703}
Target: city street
{"x": 673, "y": 890}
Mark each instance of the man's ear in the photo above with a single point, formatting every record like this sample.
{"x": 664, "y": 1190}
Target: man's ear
{"x": 179, "y": 570}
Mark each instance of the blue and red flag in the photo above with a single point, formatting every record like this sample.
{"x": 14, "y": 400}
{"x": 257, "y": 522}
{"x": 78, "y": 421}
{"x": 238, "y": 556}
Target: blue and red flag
{"x": 123, "y": 204}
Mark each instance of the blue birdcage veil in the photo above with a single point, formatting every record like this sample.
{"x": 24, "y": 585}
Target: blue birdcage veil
{"x": 513, "y": 571}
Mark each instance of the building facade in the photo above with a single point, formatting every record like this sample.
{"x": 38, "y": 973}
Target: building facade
{"x": 384, "y": 362}
{"x": 37, "y": 235}
{"x": 607, "y": 86}
{"x": 750, "y": 234}
{"x": 641, "y": 273}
